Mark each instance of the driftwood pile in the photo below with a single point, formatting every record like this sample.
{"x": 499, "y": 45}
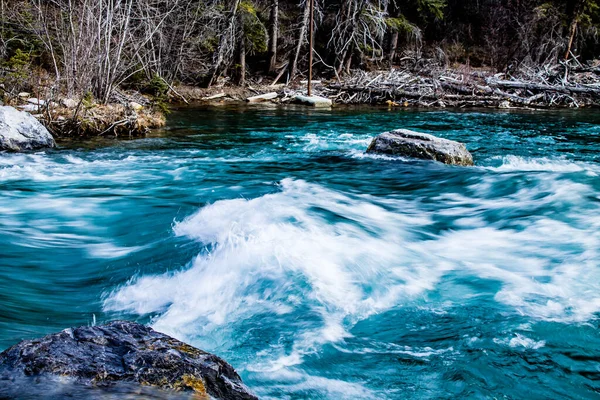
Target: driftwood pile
{"x": 560, "y": 85}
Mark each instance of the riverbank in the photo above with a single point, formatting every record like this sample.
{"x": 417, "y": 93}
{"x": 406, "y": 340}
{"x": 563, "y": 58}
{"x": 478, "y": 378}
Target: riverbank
{"x": 559, "y": 86}
{"x": 131, "y": 114}
{"x": 128, "y": 115}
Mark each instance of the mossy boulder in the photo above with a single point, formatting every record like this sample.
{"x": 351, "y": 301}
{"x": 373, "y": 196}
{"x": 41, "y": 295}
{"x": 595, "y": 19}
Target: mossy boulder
{"x": 120, "y": 352}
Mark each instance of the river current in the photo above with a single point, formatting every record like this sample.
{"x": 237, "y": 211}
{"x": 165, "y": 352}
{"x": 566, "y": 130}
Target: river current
{"x": 268, "y": 237}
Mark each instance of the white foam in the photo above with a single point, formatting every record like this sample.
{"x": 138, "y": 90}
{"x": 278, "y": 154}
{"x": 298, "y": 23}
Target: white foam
{"x": 361, "y": 154}
{"x": 330, "y": 140}
{"x": 281, "y": 252}
{"x": 109, "y": 250}
{"x": 521, "y": 341}
{"x": 41, "y": 167}
{"x": 302, "y": 383}
{"x": 281, "y": 237}
{"x": 331, "y": 259}
{"x": 74, "y": 160}
{"x": 392, "y": 348}
{"x": 516, "y": 163}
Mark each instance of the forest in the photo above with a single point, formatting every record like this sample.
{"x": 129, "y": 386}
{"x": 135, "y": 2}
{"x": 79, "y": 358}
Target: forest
{"x": 90, "y": 47}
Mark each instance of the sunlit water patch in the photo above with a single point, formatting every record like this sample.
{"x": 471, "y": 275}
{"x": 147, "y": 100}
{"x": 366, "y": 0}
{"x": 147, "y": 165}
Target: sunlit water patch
{"x": 270, "y": 238}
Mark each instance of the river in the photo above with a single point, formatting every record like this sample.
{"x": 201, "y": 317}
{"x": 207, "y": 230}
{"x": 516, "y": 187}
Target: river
{"x": 267, "y": 236}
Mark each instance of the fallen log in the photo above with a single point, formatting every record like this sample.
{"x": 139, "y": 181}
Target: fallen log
{"x": 462, "y": 88}
{"x": 392, "y": 94}
{"x": 389, "y": 93}
{"x": 214, "y": 96}
{"x": 262, "y": 97}
{"x": 566, "y": 89}
{"x": 550, "y": 86}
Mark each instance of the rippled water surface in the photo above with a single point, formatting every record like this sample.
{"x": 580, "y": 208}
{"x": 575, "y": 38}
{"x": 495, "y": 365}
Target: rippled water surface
{"x": 267, "y": 236}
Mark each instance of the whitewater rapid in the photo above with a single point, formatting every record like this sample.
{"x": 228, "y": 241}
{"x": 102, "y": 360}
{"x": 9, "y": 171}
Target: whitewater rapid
{"x": 311, "y": 262}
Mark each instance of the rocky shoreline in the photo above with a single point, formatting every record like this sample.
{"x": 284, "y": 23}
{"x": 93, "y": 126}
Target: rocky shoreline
{"x": 120, "y": 355}
{"x": 131, "y": 114}
{"x": 128, "y": 115}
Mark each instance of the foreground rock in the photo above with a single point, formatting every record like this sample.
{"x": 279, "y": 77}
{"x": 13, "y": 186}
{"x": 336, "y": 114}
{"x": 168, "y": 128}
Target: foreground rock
{"x": 21, "y": 131}
{"x": 120, "y": 352}
{"x": 403, "y": 142}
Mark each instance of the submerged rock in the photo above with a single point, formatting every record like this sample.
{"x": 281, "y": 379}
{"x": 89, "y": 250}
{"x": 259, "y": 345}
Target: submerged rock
{"x": 21, "y": 131}
{"x": 403, "y": 142}
{"x": 120, "y": 352}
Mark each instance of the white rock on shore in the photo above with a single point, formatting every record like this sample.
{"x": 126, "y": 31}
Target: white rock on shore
{"x": 36, "y": 101}
{"x": 21, "y": 131}
{"x": 70, "y": 103}
{"x": 314, "y": 101}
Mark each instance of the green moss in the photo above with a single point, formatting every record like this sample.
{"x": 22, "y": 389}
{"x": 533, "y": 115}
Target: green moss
{"x": 195, "y": 384}
{"x": 247, "y": 7}
{"x": 161, "y": 106}
{"x": 88, "y": 100}
{"x": 189, "y": 350}
{"x": 400, "y": 24}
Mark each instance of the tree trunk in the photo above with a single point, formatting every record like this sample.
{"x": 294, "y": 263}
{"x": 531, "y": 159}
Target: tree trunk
{"x": 225, "y": 41}
{"x": 274, "y": 32}
{"x": 242, "y": 81}
{"x": 301, "y": 36}
{"x": 393, "y": 45}
{"x": 572, "y": 31}
{"x": 577, "y": 9}
{"x": 349, "y": 64}
{"x": 351, "y": 12}
{"x": 394, "y": 13}
{"x": 339, "y": 68}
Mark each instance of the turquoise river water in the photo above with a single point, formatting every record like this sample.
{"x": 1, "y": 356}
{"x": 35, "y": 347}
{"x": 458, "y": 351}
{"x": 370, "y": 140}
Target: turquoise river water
{"x": 268, "y": 236}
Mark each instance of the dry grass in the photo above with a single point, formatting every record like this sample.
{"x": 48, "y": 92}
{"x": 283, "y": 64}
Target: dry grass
{"x": 102, "y": 120}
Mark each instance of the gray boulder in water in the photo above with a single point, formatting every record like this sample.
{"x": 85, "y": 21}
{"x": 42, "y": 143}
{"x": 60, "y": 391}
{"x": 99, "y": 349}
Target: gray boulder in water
{"x": 21, "y": 131}
{"x": 120, "y": 352}
{"x": 407, "y": 143}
